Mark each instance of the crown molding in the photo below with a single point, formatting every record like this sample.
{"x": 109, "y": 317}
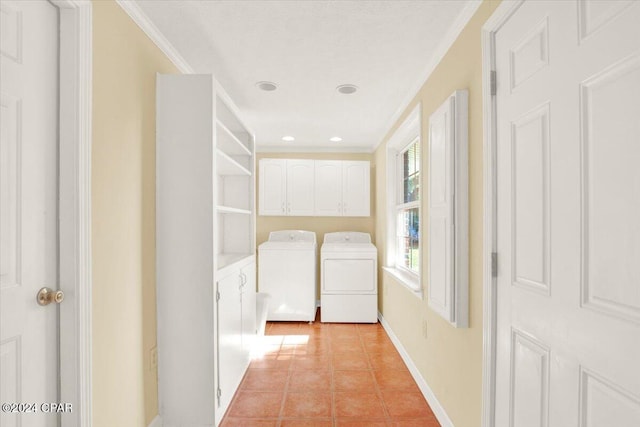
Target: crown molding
{"x": 443, "y": 47}
{"x": 142, "y": 20}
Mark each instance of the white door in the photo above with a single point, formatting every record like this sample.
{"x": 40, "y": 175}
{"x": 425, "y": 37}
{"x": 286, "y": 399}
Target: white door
{"x": 248, "y": 278}
{"x": 568, "y": 149}
{"x": 28, "y": 209}
{"x": 300, "y": 178}
{"x": 273, "y": 187}
{"x": 328, "y": 188}
{"x": 355, "y": 188}
{"x": 441, "y": 267}
{"x": 229, "y": 327}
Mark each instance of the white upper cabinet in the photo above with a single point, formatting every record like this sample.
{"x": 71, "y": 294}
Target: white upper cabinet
{"x": 355, "y": 188}
{"x": 284, "y": 187}
{"x": 299, "y": 180}
{"x": 328, "y": 188}
{"x": 273, "y": 187}
{"x": 314, "y": 187}
{"x": 342, "y": 188}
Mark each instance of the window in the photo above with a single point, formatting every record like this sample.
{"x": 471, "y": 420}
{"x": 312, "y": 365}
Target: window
{"x": 402, "y": 251}
{"x": 408, "y": 208}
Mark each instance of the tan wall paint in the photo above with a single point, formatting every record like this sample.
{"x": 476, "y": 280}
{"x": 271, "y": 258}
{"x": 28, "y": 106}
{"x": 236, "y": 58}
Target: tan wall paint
{"x": 449, "y": 359}
{"x": 125, "y": 61}
{"x": 323, "y": 224}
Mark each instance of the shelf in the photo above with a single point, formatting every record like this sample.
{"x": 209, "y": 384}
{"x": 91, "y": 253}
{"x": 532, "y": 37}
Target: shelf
{"x": 229, "y": 210}
{"x": 229, "y": 142}
{"x": 227, "y": 166}
{"x": 226, "y": 259}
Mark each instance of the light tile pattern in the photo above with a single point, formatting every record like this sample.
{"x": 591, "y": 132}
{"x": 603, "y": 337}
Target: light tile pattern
{"x": 333, "y": 375}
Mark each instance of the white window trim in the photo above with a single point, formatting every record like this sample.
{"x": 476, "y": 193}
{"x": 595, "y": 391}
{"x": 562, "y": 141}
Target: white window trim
{"x": 406, "y": 135}
{"x": 403, "y": 206}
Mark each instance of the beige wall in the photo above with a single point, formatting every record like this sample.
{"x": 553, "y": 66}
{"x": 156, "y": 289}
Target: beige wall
{"x": 449, "y": 359}
{"x": 320, "y": 225}
{"x": 124, "y": 314}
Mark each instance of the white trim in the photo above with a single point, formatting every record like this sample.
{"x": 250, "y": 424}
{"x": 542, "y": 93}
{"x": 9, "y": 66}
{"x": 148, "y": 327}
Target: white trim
{"x": 447, "y": 41}
{"x": 408, "y": 279}
{"x": 306, "y": 149}
{"x": 436, "y": 407}
{"x": 489, "y": 29}
{"x": 156, "y": 422}
{"x": 148, "y": 27}
{"x": 75, "y": 208}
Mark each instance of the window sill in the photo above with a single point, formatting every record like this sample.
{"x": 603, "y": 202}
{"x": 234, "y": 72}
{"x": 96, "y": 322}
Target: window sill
{"x": 409, "y": 281}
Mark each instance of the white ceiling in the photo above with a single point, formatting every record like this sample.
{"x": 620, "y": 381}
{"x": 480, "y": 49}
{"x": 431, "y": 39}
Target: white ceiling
{"x": 308, "y": 48}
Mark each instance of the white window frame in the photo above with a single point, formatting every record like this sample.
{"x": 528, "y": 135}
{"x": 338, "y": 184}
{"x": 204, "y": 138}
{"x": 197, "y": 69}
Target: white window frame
{"x": 402, "y": 206}
{"x": 408, "y": 133}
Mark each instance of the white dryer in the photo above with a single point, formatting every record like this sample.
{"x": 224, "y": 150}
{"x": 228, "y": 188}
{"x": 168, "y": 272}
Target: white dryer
{"x": 287, "y": 272}
{"x": 349, "y": 276}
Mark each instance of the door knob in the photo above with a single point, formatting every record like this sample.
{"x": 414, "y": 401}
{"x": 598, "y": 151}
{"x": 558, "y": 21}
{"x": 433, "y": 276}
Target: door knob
{"x": 47, "y": 295}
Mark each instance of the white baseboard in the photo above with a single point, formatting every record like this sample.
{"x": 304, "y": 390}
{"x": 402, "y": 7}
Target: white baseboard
{"x": 156, "y": 422}
{"x": 436, "y": 407}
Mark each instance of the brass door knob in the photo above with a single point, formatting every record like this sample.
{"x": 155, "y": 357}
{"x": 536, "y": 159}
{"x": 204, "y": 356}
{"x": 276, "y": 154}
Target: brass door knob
{"x": 47, "y": 295}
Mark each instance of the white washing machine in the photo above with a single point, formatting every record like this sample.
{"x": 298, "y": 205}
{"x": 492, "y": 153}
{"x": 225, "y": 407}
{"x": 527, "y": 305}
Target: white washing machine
{"x": 349, "y": 276}
{"x": 287, "y": 272}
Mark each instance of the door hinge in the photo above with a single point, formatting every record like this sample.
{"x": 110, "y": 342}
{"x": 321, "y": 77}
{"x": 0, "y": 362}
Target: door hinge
{"x": 494, "y": 264}
{"x": 218, "y": 394}
{"x": 494, "y": 83}
{"x": 217, "y": 295}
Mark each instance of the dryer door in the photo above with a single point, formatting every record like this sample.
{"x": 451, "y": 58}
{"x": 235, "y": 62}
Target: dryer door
{"x": 348, "y": 276}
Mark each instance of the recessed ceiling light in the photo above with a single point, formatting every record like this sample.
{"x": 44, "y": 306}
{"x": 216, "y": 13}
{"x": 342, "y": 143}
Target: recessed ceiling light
{"x": 347, "y": 89}
{"x": 267, "y": 86}
{"x": 335, "y": 139}
{"x": 288, "y": 138}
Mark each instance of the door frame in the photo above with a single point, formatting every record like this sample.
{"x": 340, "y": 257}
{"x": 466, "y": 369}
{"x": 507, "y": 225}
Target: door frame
{"x": 500, "y": 16}
{"x": 75, "y": 63}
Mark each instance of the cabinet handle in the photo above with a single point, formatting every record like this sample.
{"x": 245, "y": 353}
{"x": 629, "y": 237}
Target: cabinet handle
{"x": 283, "y": 207}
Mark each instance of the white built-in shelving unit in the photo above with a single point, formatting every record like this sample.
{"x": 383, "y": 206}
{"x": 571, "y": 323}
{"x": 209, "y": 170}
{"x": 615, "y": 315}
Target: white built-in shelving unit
{"x": 205, "y": 248}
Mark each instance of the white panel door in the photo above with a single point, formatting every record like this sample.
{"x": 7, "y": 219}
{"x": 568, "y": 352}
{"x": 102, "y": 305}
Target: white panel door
{"x": 328, "y": 188}
{"x": 440, "y": 227}
{"x": 273, "y": 187}
{"x": 355, "y": 188}
{"x": 28, "y": 208}
{"x": 568, "y": 149}
{"x": 248, "y": 310}
{"x": 300, "y": 177}
{"x": 230, "y": 355}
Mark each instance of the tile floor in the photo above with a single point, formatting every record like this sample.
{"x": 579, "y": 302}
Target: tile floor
{"x": 330, "y": 375}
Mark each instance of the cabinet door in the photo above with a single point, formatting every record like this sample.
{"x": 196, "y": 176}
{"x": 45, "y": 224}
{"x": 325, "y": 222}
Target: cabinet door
{"x": 273, "y": 186}
{"x": 248, "y": 310}
{"x": 355, "y": 188}
{"x": 328, "y": 188}
{"x": 300, "y": 178}
{"x": 230, "y": 365}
